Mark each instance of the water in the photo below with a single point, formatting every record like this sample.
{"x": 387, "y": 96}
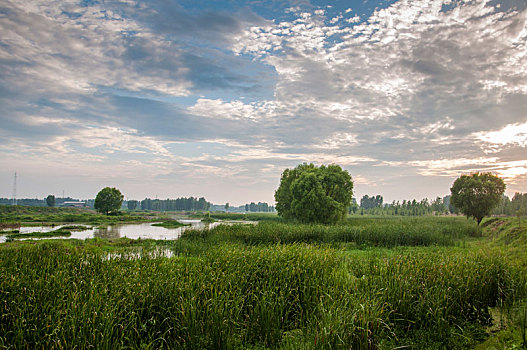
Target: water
{"x": 133, "y": 231}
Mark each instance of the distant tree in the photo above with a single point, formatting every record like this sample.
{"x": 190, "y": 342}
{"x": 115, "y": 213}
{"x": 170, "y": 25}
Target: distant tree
{"x": 353, "y": 208}
{"x": 227, "y": 206}
{"x": 519, "y": 205}
{"x": 314, "y": 194}
{"x": 132, "y": 205}
{"x": 203, "y": 204}
{"x": 108, "y": 199}
{"x": 50, "y": 200}
{"x": 182, "y": 203}
{"x": 448, "y": 204}
{"x": 368, "y": 202}
{"x": 519, "y": 202}
{"x": 477, "y": 194}
{"x": 504, "y": 207}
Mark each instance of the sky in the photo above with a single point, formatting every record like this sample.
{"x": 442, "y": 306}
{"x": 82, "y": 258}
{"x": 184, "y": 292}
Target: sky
{"x": 199, "y": 98}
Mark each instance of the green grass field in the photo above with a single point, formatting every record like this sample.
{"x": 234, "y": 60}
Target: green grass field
{"x": 421, "y": 283}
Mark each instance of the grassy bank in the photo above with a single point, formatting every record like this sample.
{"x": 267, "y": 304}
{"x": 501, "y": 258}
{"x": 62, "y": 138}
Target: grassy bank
{"x": 63, "y": 231}
{"x": 50, "y": 215}
{"x": 268, "y": 286}
{"x": 55, "y": 233}
{"x": 170, "y": 224}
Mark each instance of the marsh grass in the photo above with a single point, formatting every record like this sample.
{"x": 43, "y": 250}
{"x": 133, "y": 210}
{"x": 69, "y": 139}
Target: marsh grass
{"x": 273, "y": 285}
{"x": 363, "y": 233}
{"x": 170, "y": 224}
{"x": 61, "y": 232}
{"x": 75, "y": 227}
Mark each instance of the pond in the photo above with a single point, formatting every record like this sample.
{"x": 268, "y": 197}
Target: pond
{"x": 133, "y": 231}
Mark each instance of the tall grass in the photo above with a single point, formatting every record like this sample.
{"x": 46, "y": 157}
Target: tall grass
{"x": 378, "y": 233}
{"x": 69, "y": 294}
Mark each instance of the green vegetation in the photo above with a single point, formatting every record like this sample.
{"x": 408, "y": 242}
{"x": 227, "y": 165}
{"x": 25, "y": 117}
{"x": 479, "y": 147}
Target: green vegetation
{"x": 440, "y": 206}
{"x": 309, "y": 193}
{"x": 178, "y": 204}
{"x": 477, "y": 194}
{"x": 516, "y": 205}
{"x": 170, "y": 224}
{"x": 374, "y": 206}
{"x": 389, "y": 232}
{"x": 108, "y": 200}
{"x": 207, "y": 219}
{"x": 366, "y": 283}
{"x": 508, "y": 231}
{"x": 132, "y": 205}
{"x": 29, "y": 216}
{"x": 75, "y": 227}
{"x": 261, "y": 207}
{"x": 238, "y": 216}
{"x": 3, "y": 232}
{"x": 61, "y": 232}
{"x": 50, "y": 200}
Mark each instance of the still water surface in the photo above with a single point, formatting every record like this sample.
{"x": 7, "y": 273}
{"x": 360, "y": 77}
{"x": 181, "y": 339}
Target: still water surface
{"x": 134, "y": 231}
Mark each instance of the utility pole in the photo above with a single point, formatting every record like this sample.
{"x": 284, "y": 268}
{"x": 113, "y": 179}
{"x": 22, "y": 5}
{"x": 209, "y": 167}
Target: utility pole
{"x": 14, "y": 191}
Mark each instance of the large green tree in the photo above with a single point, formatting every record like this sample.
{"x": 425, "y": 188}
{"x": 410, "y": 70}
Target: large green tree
{"x": 108, "y": 199}
{"x": 309, "y": 193}
{"x": 477, "y": 194}
{"x": 50, "y": 200}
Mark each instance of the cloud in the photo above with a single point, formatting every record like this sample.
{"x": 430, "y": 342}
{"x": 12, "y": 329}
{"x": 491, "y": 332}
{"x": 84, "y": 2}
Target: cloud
{"x": 67, "y": 47}
{"x": 429, "y": 88}
{"x": 508, "y": 170}
{"x": 512, "y": 134}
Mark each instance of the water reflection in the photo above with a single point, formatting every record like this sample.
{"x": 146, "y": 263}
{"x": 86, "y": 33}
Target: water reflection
{"x": 133, "y": 231}
{"x": 108, "y": 232}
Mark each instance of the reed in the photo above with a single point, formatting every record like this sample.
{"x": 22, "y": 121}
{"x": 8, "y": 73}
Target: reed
{"x": 366, "y": 233}
{"x": 273, "y": 285}
{"x": 62, "y": 294}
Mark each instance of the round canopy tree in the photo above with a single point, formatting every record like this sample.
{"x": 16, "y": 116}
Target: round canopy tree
{"x": 108, "y": 199}
{"x": 477, "y": 194}
{"x": 309, "y": 193}
{"x": 50, "y": 200}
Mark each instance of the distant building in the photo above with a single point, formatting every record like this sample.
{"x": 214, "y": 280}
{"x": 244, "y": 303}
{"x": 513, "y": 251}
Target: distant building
{"x": 74, "y": 204}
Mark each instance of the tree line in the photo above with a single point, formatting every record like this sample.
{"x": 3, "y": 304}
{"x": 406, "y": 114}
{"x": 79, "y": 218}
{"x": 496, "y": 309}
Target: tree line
{"x": 46, "y": 202}
{"x": 375, "y": 205}
{"x": 323, "y": 194}
{"x": 515, "y": 206}
{"x": 260, "y": 207}
{"x": 183, "y": 203}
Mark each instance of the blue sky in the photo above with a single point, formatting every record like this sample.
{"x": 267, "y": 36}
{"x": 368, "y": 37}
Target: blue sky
{"x": 217, "y": 98}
